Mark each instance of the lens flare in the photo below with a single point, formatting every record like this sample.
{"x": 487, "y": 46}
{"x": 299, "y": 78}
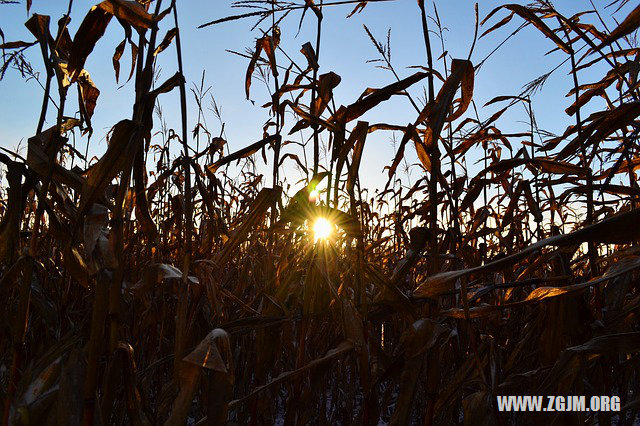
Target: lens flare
{"x": 321, "y": 229}
{"x": 314, "y": 196}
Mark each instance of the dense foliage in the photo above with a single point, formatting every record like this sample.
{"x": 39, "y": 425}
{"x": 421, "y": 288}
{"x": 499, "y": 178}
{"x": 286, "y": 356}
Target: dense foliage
{"x": 192, "y": 288}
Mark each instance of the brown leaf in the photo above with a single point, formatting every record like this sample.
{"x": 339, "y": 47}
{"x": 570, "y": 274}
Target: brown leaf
{"x": 529, "y": 15}
{"x": 423, "y": 155}
{"x": 267, "y": 45}
{"x": 252, "y": 66}
{"x": 87, "y": 97}
{"x": 474, "y": 191}
{"x": 310, "y": 54}
{"x": 172, "y": 82}
{"x": 307, "y": 119}
{"x": 357, "y": 134}
{"x": 534, "y": 208}
{"x": 418, "y": 339}
{"x": 91, "y": 30}
{"x": 603, "y": 125}
{"x": 327, "y": 82}
{"x": 38, "y": 160}
{"x": 116, "y": 58}
{"x": 129, "y": 11}
{"x": 618, "y": 229}
{"x": 242, "y": 153}
{"x": 213, "y": 352}
{"x": 373, "y": 97}
{"x": 166, "y": 41}
{"x": 16, "y": 44}
{"x": 360, "y": 139}
{"x": 159, "y": 273}
{"x": 611, "y": 344}
{"x": 436, "y": 115}
{"x": 38, "y": 25}
{"x": 134, "y": 58}
{"x": 117, "y": 159}
{"x": 465, "y": 68}
{"x": 504, "y": 21}
{"x": 629, "y": 25}
{"x": 359, "y": 8}
{"x": 545, "y": 164}
{"x": 265, "y": 199}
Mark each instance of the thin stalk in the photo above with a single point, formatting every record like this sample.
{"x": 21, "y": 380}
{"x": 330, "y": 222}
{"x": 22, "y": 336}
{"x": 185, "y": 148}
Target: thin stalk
{"x": 276, "y": 98}
{"x": 434, "y": 154}
{"x": 539, "y": 230}
{"x": 181, "y": 314}
{"x": 584, "y": 159}
{"x": 316, "y": 141}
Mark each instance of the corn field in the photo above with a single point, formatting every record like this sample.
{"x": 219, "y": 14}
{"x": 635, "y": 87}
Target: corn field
{"x": 169, "y": 280}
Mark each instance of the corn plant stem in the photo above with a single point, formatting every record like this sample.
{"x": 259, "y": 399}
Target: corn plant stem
{"x": 22, "y": 319}
{"x": 316, "y": 139}
{"x": 114, "y": 289}
{"x": 143, "y": 83}
{"x": 583, "y": 152}
{"x": 539, "y": 226}
{"x": 45, "y": 100}
{"x": 464, "y": 295}
{"x": 118, "y": 216}
{"x": 276, "y": 100}
{"x": 434, "y": 154}
{"x": 453, "y": 201}
{"x": 182, "y": 309}
{"x": 95, "y": 347}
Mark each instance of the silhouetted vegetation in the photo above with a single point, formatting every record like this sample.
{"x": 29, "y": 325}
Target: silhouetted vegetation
{"x": 145, "y": 287}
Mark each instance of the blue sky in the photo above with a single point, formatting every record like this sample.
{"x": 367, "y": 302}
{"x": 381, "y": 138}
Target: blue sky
{"x": 345, "y": 50}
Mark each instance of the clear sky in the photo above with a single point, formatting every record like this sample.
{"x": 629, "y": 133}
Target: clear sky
{"x": 345, "y": 50}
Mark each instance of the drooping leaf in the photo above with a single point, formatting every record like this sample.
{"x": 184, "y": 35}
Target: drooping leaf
{"x": 268, "y": 45}
{"x": 626, "y": 27}
{"x": 90, "y": 31}
{"x": 129, "y": 11}
{"x": 436, "y": 115}
{"x": 243, "y": 153}
{"x": 374, "y": 97}
{"x": 16, "y": 44}
{"x": 116, "y": 58}
{"x": 87, "y": 97}
{"x": 327, "y": 82}
{"x": 530, "y": 16}
{"x": 617, "y": 229}
{"x": 166, "y": 41}
{"x": 310, "y": 54}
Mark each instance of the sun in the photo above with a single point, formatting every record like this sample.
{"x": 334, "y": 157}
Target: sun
{"x": 321, "y": 229}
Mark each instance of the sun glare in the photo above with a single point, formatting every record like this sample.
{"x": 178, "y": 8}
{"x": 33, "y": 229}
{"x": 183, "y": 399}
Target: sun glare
{"x": 313, "y": 196}
{"x": 321, "y": 229}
